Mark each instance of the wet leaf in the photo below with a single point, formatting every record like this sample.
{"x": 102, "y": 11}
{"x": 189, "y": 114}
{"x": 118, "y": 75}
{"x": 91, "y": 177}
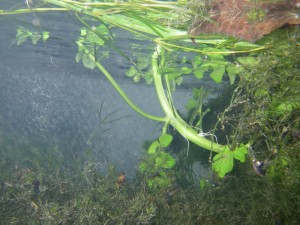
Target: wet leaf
{"x": 232, "y": 71}
{"x": 179, "y": 80}
{"x": 142, "y": 63}
{"x": 143, "y": 166}
{"x": 88, "y": 62}
{"x": 240, "y": 153}
{"x": 35, "y": 37}
{"x": 45, "y": 35}
{"x": 131, "y": 72}
{"x": 137, "y": 77}
{"x": 22, "y": 35}
{"x": 247, "y": 61}
{"x": 185, "y": 70}
{"x": 165, "y": 140}
{"x": 199, "y": 72}
{"x": 223, "y": 163}
{"x": 79, "y": 56}
{"x": 217, "y": 73}
{"x": 164, "y": 160}
{"x": 153, "y": 147}
{"x": 191, "y": 104}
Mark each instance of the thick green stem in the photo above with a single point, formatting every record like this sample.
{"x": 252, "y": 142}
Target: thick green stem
{"x": 175, "y": 120}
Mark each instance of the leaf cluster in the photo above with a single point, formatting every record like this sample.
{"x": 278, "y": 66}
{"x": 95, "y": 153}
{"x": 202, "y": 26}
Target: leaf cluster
{"x": 156, "y": 166}
{"x": 23, "y": 34}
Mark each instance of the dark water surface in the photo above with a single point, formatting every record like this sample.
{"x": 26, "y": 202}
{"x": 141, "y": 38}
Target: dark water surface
{"x": 45, "y": 95}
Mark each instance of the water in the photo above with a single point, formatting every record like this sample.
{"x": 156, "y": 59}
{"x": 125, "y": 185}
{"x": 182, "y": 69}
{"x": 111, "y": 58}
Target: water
{"x": 49, "y": 99}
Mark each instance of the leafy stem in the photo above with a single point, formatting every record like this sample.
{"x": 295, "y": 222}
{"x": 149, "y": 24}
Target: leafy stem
{"x": 175, "y": 120}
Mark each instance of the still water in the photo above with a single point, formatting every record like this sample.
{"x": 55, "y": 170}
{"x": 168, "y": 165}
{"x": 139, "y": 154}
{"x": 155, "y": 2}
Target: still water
{"x": 47, "y": 100}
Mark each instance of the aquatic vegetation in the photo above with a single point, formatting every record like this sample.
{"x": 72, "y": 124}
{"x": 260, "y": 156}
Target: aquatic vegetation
{"x": 212, "y": 52}
{"x": 261, "y": 124}
{"x": 157, "y": 167}
{"x": 23, "y": 34}
{"x": 56, "y": 198}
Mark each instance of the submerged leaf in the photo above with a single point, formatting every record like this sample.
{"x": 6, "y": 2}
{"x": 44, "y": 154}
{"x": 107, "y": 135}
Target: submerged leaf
{"x": 240, "y": 152}
{"x": 45, "y": 36}
{"x": 217, "y": 73}
{"x": 88, "y": 62}
{"x": 232, "y": 71}
{"x": 223, "y": 163}
{"x": 153, "y": 147}
{"x": 35, "y": 37}
{"x": 199, "y": 72}
{"x": 131, "y": 72}
{"x": 165, "y": 140}
{"x": 191, "y": 104}
{"x": 164, "y": 160}
{"x": 247, "y": 61}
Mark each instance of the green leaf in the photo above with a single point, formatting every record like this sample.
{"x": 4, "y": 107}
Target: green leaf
{"x": 240, "y": 153}
{"x": 142, "y": 63}
{"x": 218, "y": 73}
{"x": 179, "y": 80}
{"x": 160, "y": 181}
{"x": 148, "y": 77}
{"x": 137, "y": 77}
{"x": 20, "y": 40}
{"x": 214, "y": 63}
{"x": 35, "y": 37}
{"x": 199, "y": 72}
{"x": 131, "y": 72}
{"x": 45, "y": 35}
{"x": 153, "y": 147}
{"x": 197, "y": 61}
{"x": 262, "y": 92}
{"x": 191, "y": 104}
{"x": 150, "y": 183}
{"x": 174, "y": 75}
{"x": 164, "y": 160}
{"x": 284, "y": 108}
{"x": 143, "y": 167}
{"x": 79, "y": 56}
{"x": 88, "y": 62}
{"x": 22, "y": 35}
{"x": 247, "y": 61}
{"x": 223, "y": 163}
{"x": 83, "y": 32}
{"x": 185, "y": 70}
{"x": 232, "y": 71}
{"x": 284, "y": 162}
{"x": 202, "y": 184}
{"x": 165, "y": 140}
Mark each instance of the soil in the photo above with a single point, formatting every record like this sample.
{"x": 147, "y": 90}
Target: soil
{"x": 246, "y": 19}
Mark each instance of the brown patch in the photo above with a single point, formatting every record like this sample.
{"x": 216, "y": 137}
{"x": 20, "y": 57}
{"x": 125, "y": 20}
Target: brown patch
{"x": 246, "y": 19}
{"x": 121, "y": 179}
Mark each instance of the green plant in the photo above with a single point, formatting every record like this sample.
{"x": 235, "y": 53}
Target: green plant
{"x": 23, "y": 34}
{"x": 263, "y": 111}
{"x": 157, "y": 165}
{"x": 148, "y": 20}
